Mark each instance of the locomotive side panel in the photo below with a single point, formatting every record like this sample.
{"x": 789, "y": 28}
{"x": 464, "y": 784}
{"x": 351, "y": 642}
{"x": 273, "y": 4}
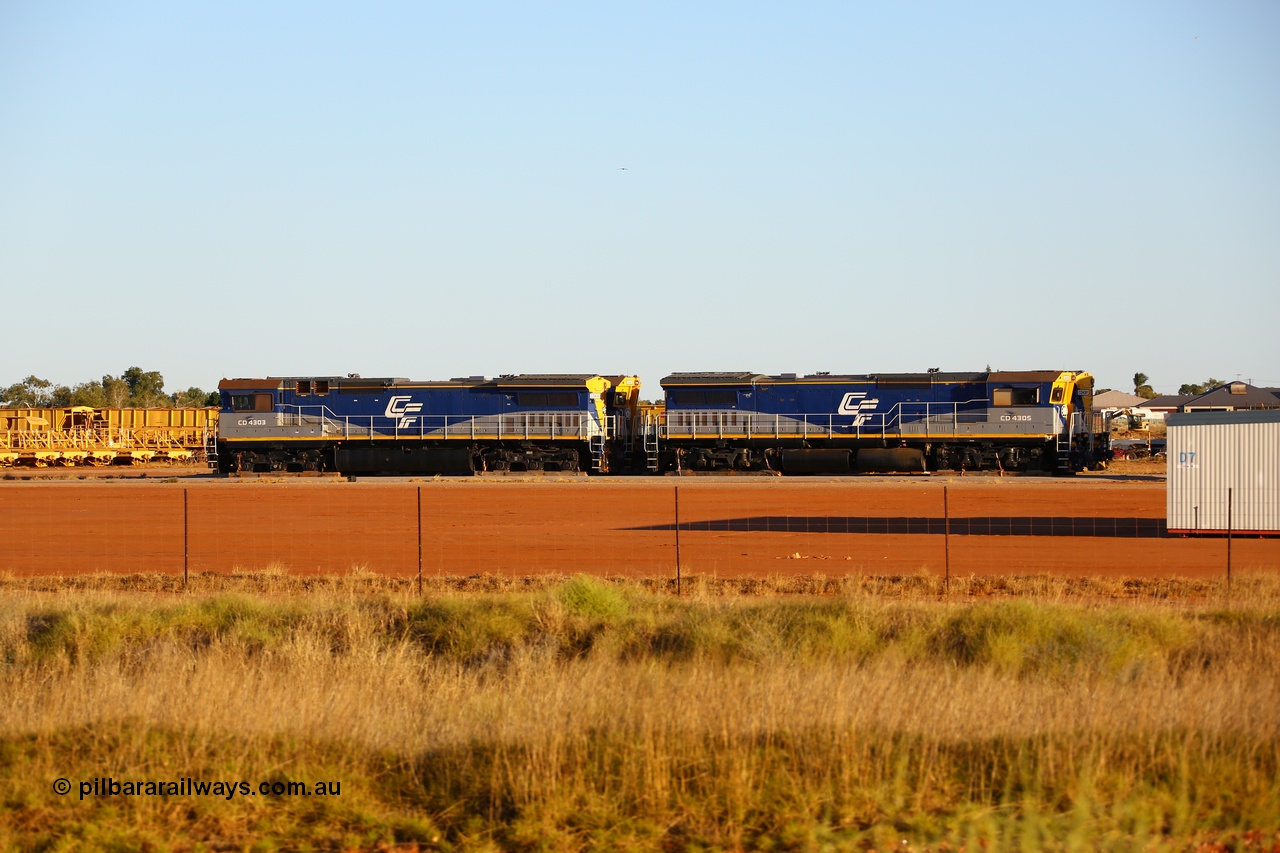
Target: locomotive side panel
{"x": 910, "y": 422}
{"x": 1018, "y": 421}
{"x": 353, "y": 425}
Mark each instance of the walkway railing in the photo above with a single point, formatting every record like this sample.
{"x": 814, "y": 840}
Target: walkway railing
{"x": 901, "y": 419}
{"x": 507, "y": 426}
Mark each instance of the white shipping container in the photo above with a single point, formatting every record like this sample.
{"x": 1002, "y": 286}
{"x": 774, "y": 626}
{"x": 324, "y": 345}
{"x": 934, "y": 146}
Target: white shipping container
{"x": 1221, "y": 458}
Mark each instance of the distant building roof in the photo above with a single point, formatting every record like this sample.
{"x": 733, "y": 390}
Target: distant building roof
{"x": 1233, "y": 396}
{"x": 1116, "y": 400}
{"x": 1257, "y": 416}
{"x": 1167, "y": 402}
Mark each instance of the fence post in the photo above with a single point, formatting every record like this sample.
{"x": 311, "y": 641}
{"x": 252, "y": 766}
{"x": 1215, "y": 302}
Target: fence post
{"x": 946, "y": 540}
{"x": 419, "y": 541}
{"x": 677, "y": 488}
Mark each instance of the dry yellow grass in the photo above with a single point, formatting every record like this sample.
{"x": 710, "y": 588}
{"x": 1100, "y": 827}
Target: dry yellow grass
{"x": 575, "y": 714}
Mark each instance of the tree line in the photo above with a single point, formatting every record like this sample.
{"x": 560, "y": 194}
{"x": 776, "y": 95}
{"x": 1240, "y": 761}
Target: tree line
{"x": 144, "y": 389}
{"x": 134, "y": 389}
{"x": 1142, "y": 389}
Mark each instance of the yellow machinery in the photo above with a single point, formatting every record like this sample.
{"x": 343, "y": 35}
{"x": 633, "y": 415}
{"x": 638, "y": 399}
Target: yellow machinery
{"x": 83, "y": 435}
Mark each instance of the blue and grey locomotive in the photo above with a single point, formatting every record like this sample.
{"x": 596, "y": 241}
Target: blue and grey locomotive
{"x": 397, "y": 426}
{"x": 899, "y": 422}
{"x": 1019, "y": 421}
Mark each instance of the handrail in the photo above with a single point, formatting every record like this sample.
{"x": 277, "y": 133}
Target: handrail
{"x": 556, "y": 424}
{"x": 716, "y": 423}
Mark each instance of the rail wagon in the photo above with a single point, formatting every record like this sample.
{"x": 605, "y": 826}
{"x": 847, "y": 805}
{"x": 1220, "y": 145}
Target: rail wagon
{"x": 354, "y": 425}
{"x": 85, "y": 435}
{"x": 888, "y": 422}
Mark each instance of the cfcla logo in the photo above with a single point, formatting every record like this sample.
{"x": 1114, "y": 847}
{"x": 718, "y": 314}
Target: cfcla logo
{"x": 857, "y": 405}
{"x": 399, "y": 407}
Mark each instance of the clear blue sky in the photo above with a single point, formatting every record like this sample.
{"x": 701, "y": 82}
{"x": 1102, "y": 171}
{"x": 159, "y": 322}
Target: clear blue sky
{"x": 439, "y": 189}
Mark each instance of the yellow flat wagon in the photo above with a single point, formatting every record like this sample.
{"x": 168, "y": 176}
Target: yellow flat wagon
{"x": 84, "y": 435}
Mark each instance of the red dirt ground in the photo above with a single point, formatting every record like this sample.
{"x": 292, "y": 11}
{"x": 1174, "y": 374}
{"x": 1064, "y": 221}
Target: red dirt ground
{"x": 729, "y": 526}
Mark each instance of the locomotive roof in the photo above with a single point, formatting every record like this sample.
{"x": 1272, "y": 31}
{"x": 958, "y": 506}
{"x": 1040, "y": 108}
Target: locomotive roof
{"x": 711, "y": 378}
{"x": 545, "y": 379}
{"x": 746, "y": 378}
{"x": 557, "y": 380}
{"x": 703, "y": 378}
{"x": 289, "y": 381}
{"x": 1028, "y": 375}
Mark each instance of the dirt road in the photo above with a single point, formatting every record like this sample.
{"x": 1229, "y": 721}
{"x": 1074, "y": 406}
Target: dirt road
{"x": 727, "y": 526}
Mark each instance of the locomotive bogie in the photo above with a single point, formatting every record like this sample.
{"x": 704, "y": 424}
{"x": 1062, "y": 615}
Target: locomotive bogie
{"x": 719, "y": 457}
{"x": 530, "y": 457}
{"x": 277, "y": 458}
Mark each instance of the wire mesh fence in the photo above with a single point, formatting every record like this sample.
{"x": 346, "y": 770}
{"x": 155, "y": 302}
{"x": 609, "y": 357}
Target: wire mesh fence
{"x": 649, "y": 528}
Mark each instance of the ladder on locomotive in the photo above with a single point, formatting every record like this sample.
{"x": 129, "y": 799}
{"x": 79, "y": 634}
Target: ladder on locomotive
{"x": 597, "y": 443}
{"x": 1066, "y": 440}
{"x": 649, "y": 440}
{"x": 211, "y": 447}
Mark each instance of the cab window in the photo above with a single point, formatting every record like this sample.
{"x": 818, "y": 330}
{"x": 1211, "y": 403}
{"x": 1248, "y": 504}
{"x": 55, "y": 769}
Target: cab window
{"x": 1015, "y": 397}
{"x": 250, "y": 402}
